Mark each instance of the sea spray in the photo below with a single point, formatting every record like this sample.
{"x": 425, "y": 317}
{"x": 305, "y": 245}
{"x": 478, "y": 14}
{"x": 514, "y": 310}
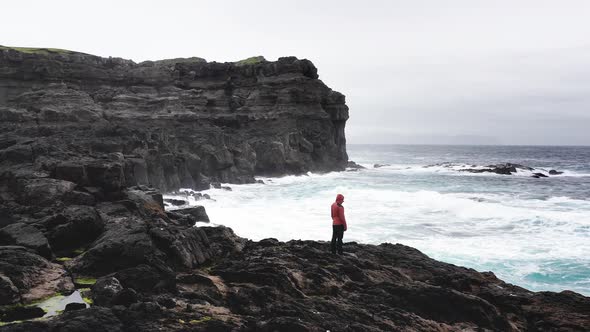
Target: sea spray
{"x": 531, "y": 232}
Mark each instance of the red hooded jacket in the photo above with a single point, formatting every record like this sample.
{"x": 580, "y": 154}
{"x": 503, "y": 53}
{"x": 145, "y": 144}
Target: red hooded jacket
{"x": 338, "y": 212}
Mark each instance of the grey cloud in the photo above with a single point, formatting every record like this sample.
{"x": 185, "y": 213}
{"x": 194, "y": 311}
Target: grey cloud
{"x": 457, "y": 71}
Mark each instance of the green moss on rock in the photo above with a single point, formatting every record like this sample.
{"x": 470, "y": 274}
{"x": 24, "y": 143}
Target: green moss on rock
{"x": 201, "y": 320}
{"x": 63, "y": 259}
{"x": 251, "y": 61}
{"x": 85, "y": 281}
{"x": 36, "y": 50}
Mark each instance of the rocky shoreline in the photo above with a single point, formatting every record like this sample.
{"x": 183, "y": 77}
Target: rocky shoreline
{"x": 87, "y": 145}
{"x": 150, "y": 269}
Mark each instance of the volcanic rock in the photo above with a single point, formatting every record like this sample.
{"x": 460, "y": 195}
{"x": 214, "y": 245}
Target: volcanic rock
{"x": 176, "y": 202}
{"x": 74, "y": 306}
{"x": 111, "y": 123}
{"x": 21, "y": 234}
{"x": 33, "y": 276}
{"x": 20, "y": 313}
{"x": 380, "y": 165}
{"x": 354, "y": 166}
{"x": 84, "y": 142}
{"x": 105, "y": 289}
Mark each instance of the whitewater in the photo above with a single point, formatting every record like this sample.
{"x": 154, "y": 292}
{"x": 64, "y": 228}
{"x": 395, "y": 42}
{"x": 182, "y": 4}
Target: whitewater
{"x": 531, "y": 232}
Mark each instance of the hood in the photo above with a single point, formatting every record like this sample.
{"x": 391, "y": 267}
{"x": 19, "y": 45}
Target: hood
{"x": 339, "y": 198}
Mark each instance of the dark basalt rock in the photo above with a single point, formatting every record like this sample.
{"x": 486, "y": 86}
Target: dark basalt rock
{"x": 354, "y": 166}
{"x": 105, "y": 290}
{"x": 92, "y": 319}
{"x": 195, "y": 213}
{"x": 380, "y": 165}
{"x": 76, "y": 226}
{"x": 20, "y": 313}
{"x": 21, "y": 234}
{"x": 126, "y": 297}
{"x": 8, "y": 292}
{"x": 539, "y": 175}
{"x": 82, "y": 141}
{"x": 175, "y": 202}
{"x": 74, "y": 306}
{"x": 503, "y": 169}
{"x": 109, "y": 124}
{"x": 32, "y": 275}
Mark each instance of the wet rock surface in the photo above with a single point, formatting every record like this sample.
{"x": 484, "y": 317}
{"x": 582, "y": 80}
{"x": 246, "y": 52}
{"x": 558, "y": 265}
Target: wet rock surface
{"x": 87, "y": 144}
{"x": 502, "y": 169}
{"x": 299, "y": 285}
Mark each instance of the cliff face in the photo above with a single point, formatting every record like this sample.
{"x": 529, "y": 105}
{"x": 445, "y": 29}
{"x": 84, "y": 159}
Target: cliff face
{"x": 112, "y": 123}
{"x": 79, "y": 135}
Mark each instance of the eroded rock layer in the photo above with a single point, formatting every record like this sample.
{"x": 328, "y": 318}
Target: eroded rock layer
{"x": 82, "y": 138}
{"x": 112, "y": 123}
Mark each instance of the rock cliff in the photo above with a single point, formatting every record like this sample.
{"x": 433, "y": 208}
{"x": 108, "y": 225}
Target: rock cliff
{"x": 170, "y": 124}
{"x": 82, "y": 231}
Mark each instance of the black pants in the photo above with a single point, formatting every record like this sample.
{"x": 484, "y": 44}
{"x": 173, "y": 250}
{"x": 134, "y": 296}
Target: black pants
{"x": 337, "y": 234}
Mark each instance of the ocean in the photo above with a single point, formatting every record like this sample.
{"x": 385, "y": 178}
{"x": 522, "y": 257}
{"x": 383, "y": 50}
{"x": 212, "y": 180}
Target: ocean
{"x": 532, "y": 232}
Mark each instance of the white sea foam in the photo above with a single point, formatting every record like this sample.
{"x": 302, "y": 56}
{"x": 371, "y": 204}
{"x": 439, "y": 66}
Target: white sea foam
{"x": 459, "y": 170}
{"x": 507, "y": 232}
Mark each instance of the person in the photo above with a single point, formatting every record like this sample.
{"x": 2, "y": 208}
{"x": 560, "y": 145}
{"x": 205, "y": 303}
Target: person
{"x": 338, "y": 224}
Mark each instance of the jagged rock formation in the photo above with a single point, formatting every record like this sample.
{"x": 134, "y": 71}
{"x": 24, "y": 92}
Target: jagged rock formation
{"x": 81, "y": 135}
{"x": 502, "y": 169}
{"x": 170, "y": 124}
{"x": 300, "y": 286}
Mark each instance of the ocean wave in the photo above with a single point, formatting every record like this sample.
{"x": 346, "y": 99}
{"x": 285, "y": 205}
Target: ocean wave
{"x": 465, "y": 169}
{"x": 476, "y": 228}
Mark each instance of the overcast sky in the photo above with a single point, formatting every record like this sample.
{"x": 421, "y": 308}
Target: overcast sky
{"x": 471, "y": 72}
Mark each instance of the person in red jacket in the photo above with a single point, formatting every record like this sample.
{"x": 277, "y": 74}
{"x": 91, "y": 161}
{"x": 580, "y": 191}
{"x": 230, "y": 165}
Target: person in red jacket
{"x": 338, "y": 224}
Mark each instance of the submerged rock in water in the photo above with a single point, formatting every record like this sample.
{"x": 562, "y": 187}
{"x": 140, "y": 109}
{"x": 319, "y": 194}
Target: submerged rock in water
{"x": 380, "y": 165}
{"x": 175, "y": 202}
{"x": 352, "y": 165}
{"x": 503, "y": 169}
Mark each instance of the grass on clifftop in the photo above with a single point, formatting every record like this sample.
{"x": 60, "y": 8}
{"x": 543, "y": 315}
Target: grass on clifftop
{"x": 250, "y": 61}
{"x": 35, "y": 50}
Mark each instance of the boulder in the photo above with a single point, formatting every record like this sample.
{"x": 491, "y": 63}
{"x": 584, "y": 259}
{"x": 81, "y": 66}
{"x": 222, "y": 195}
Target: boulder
{"x": 195, "y": 213}
{"x": 34, "y": 276}
{"x": 105, "y": 290}
{"x": 379, "y": 165}
{"x": 21, "y": 234}
{"x": 8, "y": 292}
{"x": 43, "y": 191}
{"x": 76, "y": 226}
{"x": 175, "y": 202}
{"x": 19, "y": 313}
{"x": 74, "y": 306}
{"x": 96, "y": 319}
{"x": 539, "y": 175}
{"x": 126, "y": 297}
